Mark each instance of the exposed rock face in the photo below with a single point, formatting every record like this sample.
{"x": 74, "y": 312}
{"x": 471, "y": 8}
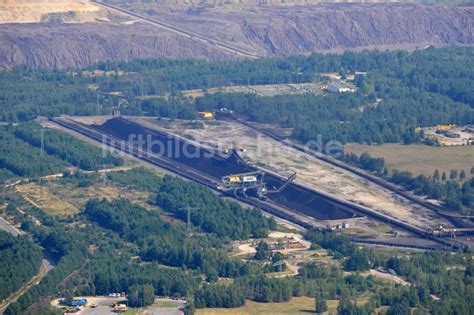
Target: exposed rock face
{"x": 270, "y": 30}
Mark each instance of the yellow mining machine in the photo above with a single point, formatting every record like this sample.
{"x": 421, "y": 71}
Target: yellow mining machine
{"x": 250, "y": 182}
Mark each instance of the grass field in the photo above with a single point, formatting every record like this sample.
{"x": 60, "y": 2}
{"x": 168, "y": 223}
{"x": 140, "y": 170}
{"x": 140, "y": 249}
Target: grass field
{"x": 42, "y": 197}
{"x": 382, "y": 228}
{"x": 297, "y": 305}
{"x": 167, "y": 304}
{"x": 419, "y": 159}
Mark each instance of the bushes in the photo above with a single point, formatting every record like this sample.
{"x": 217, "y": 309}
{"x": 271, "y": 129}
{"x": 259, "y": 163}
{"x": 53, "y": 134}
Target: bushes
{"x": 455, "y": 196}
{"x": 117, "y": 274}
{"x": 5, "y": 175}
{"x": 337, "y": 244}
{"x": 357, "y": 262}
{"x": 171, "y": 108}
{"x": 139, "y": 178}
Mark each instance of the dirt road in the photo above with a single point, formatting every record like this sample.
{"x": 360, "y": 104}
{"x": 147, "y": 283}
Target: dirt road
{"x": 207, "y": 40}
{"x": 9, "y": 228}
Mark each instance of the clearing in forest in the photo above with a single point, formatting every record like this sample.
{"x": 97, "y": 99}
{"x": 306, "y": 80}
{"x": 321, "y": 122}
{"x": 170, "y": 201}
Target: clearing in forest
{"x": 419, "y": 159}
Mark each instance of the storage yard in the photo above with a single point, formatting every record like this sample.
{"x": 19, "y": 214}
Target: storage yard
{"x": 268, "y": 153}
{"x": 116, "y": 303}
{"x": 306, "y": 201}
{"x": 450, "y": 135}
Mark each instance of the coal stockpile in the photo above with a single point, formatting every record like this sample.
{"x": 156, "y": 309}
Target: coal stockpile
{"x": 306, "y": 201}
{"x": 217, "y": 164}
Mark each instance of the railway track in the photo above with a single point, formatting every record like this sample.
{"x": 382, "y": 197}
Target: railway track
{"x": 374, "y": 179}
{"x": 201, "y": 38}
{"x": 266, "y": 205}
{"x": 188, "y": 173}
{"x": 347, "y": 205}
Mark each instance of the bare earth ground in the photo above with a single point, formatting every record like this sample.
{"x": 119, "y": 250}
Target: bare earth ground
{"x": 262, "y": 90}
{"x": 71, "y": 11}
{"x": 79, "y": 45}
{"x": 298, "y": 253}
{"x": 386, "y": 277}
{"x": 305, "y": 28}
{"x": 292, "y": 236}
{"x": 53, "y": 33}
{"x": 56, "y": 198}
{"x": 270, "y": 154}
{"x": 420, "y": 159}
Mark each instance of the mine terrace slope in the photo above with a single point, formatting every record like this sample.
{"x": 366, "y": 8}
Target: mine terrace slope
{"x": 72, "y": 45}
{"x": 278, "y": 30}
{"x": 266, "y": 30}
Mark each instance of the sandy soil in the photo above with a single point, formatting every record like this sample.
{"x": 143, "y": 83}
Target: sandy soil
{"x": 71, "y": 11}
{"x": 388, "y": 277}
{"x": 296, "y": 237}
{"x": 262, "y": 90}
{"x": 295, "y": 256}
{"x": 57, "y": 199}
{"x": 246, "y": 249}
{"x": 265, "y": 152}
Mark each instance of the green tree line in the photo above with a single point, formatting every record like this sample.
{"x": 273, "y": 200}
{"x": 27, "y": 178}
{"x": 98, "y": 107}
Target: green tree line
{"x": 456, "y": 195}
{"x": 21, "y": 159}
{"x": 66, "y": 147}
{"x": 21, "y": 260}
{"x": 209, "y": 212}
